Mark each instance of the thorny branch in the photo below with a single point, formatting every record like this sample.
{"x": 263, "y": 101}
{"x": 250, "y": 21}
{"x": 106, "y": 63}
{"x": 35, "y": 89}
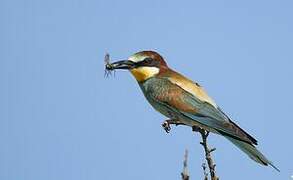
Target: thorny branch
{"x": 208, "y": 151}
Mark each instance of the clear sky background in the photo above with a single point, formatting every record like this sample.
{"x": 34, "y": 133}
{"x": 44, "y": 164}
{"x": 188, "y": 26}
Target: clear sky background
{"x": 61, "y": 119}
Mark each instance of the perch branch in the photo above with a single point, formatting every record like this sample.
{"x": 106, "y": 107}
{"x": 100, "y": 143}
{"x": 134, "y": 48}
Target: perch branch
{"x": 204, "y": 135}
{"x": 208, "y": 151}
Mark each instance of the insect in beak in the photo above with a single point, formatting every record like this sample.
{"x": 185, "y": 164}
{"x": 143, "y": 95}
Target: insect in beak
{"x": 108, "y": 66}
{"x": 124, "y": 64}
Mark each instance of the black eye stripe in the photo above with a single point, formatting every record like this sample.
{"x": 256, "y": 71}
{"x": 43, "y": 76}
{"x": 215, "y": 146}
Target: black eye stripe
{"x": 147, "y": 62}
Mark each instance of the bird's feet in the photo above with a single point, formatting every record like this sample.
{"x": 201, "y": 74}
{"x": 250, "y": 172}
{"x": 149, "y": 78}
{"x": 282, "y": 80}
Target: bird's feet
{"x": 196, "y": 129}
{"x": 166, "y": 124}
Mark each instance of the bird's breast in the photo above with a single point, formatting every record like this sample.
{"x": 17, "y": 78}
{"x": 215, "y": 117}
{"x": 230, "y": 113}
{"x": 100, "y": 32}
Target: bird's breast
{"x": 152, "y": 88}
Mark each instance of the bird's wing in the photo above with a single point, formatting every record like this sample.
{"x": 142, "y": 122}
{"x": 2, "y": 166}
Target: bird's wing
{"x": 190, "y": 100}
{"x": 189, "y": 86}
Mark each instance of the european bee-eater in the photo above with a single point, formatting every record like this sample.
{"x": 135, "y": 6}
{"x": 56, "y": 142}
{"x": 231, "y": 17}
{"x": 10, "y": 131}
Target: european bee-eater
{"x": 185, "y": 101}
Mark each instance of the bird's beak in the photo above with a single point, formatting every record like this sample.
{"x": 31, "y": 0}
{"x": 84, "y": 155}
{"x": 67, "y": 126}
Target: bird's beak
{"x": 124, "y": 64}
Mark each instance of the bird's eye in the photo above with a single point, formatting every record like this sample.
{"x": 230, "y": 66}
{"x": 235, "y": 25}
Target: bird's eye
{"x": 148, "y": 60}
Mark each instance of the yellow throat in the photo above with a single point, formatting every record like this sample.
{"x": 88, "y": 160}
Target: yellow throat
{"x": 144, "y": 73}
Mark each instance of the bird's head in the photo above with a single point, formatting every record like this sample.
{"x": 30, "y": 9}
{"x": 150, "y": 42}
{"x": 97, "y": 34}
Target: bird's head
{"x": 143, "y": 65}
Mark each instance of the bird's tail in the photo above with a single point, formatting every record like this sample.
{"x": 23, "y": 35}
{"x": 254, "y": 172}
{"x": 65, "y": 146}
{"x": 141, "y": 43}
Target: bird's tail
{"x": 252, "y": 152}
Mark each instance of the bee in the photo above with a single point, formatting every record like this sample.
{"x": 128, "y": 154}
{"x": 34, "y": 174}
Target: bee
{"x": 108, "y": 66}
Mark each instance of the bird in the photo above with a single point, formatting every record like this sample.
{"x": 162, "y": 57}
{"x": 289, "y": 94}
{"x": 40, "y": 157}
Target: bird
{"x": 184, "y": 101}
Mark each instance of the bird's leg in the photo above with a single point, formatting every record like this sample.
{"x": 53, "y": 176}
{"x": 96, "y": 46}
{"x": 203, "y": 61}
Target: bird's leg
{"x": 196, "y": 129}
{"x": 166, "y": 124}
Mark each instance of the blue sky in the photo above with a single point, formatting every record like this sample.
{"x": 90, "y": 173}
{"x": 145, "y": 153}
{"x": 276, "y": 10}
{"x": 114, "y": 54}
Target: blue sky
{"x": 61, "y": 119}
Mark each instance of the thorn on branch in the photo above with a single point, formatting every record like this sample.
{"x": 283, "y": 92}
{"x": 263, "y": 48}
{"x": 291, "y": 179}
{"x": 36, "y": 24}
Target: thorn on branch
{"x": 213, "y": 149}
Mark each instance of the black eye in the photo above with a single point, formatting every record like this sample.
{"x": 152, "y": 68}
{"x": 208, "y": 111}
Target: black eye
{"x": 148, "y": 60}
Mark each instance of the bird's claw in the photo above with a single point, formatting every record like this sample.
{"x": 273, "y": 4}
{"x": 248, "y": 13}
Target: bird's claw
{"x": 166, "y": 126}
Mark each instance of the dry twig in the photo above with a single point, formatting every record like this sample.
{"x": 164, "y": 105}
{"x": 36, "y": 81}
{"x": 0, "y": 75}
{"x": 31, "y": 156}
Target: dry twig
{"x": 204, "y": 135}
{"x": 184, "y": 174}
{"x": 208, "y": 151}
